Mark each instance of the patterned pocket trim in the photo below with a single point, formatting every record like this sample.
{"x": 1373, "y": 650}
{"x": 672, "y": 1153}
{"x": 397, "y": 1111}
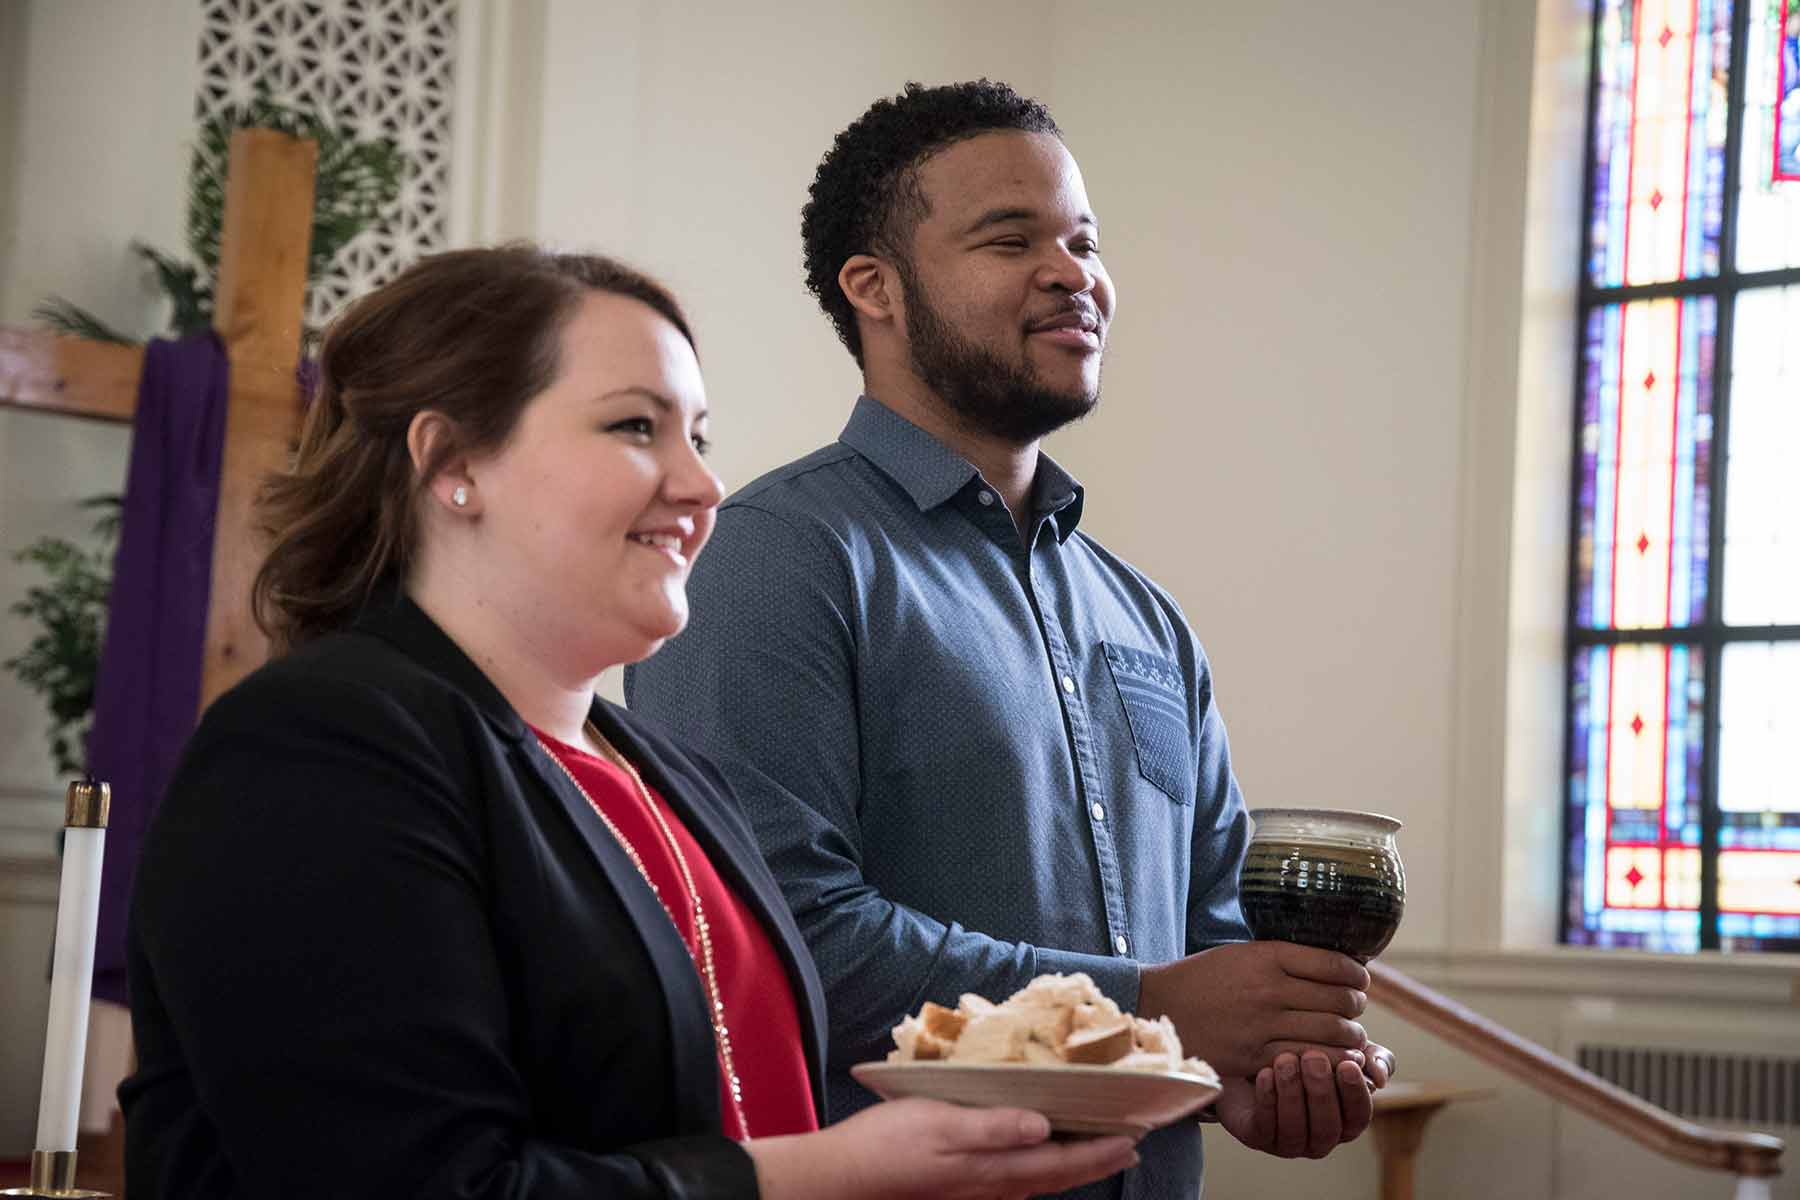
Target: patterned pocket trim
{"x": 1154, "y": 694}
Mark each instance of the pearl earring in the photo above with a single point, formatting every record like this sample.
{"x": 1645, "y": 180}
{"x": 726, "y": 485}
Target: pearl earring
{"x": 460, "y": 497}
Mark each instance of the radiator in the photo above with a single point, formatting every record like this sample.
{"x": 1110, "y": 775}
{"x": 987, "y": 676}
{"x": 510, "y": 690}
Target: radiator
{"x": 1711, "y": 1086}
{"x": 1698, "y": 1063}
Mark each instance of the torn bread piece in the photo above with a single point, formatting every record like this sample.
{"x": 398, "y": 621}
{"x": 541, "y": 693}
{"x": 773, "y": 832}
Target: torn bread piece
{"x": 946, "y": 1023}
{"x": 1055, "y": 1020}
{"x": 1099, "y": 1044}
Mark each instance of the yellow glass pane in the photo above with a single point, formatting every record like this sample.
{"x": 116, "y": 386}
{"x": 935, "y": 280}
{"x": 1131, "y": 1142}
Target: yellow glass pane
{"x": 1759, "y": 881}
{"x": 1660, "y": 141}
{"x": 1634, "y": 877}
{"x": 1681, "y": 875}
{"x": 1638, "y": 730}
{"x": 1647, "y": 386}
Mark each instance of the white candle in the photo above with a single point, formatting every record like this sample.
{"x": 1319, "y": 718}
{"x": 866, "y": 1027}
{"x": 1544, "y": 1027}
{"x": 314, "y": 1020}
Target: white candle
{"x": 72, "y": 972}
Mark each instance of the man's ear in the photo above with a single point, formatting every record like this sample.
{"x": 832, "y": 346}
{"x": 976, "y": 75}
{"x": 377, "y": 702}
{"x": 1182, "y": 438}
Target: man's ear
{"x": 872, "y": 286}
{"x": 453, "y": 487}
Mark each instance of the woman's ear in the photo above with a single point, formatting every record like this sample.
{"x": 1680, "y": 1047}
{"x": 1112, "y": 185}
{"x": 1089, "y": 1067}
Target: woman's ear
{"x": 453, "y": 486}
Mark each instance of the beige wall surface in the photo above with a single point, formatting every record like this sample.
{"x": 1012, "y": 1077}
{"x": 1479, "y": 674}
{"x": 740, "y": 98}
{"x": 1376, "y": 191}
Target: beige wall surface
{"x": 1333, "y": 424}
{"x": 1286, "y": 195}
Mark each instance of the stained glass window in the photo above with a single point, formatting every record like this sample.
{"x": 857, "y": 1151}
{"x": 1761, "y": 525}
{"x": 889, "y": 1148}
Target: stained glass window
{"x": 1659, "y": 140}
{"x": 1646, "y": 441}
{"x": 1762, "y": 523}
{"x": 1683, "y": 802}
{"x": 1768, "y": 202}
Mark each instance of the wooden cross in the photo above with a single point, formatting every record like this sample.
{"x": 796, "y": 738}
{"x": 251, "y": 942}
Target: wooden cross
{"x": 257, "y": 313}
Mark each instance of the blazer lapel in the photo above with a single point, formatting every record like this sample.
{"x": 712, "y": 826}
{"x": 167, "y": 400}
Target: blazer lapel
{"x": 695, "y": 1060}
{"x": 727, "y": 848}
{"x": 393, "y": 617}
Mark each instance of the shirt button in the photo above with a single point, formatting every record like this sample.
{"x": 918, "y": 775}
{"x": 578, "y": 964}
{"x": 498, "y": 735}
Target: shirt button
{"x": 1069, "y": 684}
{"x": 986, "y": 498}
{"x": 1098, "y": 811}
{"x": 1120, "y": 943}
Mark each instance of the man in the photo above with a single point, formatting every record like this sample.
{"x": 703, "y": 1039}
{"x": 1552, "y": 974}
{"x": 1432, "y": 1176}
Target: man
{"x": 976, "y": 746}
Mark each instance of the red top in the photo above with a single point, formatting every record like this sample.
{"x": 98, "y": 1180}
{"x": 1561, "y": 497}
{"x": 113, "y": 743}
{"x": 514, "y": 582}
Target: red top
{"x": 760, "y": 1013}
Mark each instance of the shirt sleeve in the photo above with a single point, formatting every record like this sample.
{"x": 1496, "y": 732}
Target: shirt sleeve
{"x": 1221, "y": 829}
{"x": 316, "y": 979}
{"x": 764, "y": 679}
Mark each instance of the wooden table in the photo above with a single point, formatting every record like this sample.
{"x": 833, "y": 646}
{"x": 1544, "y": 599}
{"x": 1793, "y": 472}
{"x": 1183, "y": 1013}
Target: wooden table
{"x": 1402, "y": 1110}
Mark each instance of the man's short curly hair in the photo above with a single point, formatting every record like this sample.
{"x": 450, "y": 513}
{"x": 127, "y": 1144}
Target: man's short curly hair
{"x": 865, "y": 197}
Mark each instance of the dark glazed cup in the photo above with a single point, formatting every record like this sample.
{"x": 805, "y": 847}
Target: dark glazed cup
{"x": 1324, "y": 878}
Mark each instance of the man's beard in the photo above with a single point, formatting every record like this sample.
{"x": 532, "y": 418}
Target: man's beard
{"x": 1004, "y": 400}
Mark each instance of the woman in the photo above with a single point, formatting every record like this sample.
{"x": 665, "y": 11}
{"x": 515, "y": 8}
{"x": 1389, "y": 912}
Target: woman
{"x": 422, "y": 916}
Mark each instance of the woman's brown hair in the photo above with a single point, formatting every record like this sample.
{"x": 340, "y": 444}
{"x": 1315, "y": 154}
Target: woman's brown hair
{"x": 471, "y": 334}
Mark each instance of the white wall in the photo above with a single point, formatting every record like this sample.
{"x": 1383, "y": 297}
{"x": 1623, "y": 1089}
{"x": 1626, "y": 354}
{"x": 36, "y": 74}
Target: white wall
{"x": 1278, "y": 443}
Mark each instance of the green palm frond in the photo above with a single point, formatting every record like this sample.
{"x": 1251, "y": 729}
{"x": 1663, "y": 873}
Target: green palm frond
{"x": 357, "y": 181}
{"x": 189, "y": 295}
{"x": 112, "y": 511}
{"x": 65, "y": 317}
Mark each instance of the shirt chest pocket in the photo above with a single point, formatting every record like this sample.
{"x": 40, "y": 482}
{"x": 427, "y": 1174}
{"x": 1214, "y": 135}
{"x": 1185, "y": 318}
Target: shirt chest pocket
{"x": 1154, "y": 694}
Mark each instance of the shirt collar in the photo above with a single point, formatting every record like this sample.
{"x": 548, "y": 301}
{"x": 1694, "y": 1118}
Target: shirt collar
{"x": 931, "y": 473}
{"x": 1057, "y": 494}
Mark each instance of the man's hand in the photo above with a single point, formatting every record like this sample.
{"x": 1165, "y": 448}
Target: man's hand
{"x": 1300, "y": 1107}
{"x": 1239, "y": 1006}
{"x": 1378, "y": 1065}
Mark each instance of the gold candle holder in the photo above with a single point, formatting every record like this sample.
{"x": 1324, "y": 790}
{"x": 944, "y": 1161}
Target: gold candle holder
{"x": 52, "y": 1175}
{"x": 53, "y": 1171}
{"x": 87, "y": 804}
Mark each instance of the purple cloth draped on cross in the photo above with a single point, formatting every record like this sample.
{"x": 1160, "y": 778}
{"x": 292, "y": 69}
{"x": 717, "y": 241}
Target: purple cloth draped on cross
{"x": 147, "y": 692}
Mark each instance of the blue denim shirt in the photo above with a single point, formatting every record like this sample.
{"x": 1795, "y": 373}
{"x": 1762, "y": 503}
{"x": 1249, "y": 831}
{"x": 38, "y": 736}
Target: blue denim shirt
{"x": 969, "y": 761}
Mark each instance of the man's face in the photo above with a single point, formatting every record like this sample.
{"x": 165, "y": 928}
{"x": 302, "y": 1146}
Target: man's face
{"x": 1006, "y": 301}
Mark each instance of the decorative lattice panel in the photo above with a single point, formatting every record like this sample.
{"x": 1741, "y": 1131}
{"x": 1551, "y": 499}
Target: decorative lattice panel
{"x": 375, "y": 68}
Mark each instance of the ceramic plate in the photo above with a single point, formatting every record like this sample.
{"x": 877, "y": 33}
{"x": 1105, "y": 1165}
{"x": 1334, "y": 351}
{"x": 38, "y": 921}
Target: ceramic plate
{"x": 1077, "y": 1099}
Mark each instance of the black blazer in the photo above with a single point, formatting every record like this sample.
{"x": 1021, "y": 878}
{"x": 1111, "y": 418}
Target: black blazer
{"x": 380, "y": 946}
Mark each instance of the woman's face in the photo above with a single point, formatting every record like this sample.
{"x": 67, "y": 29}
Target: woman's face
{"x": 593, "y": 509}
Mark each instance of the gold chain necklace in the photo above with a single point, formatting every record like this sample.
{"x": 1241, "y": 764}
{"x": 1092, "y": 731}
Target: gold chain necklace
{"x": 721, "y": 1035}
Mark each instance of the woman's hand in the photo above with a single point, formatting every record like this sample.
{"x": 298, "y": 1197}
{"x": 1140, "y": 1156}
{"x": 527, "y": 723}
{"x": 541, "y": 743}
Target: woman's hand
{"x": 928, "y": 1149}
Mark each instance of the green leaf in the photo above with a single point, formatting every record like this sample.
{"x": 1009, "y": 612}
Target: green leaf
{"x": 61, "y": 662}
{"x": 189, "y": 294}
{"x": 66, "y": 318}
{"x": 356, "y": 182}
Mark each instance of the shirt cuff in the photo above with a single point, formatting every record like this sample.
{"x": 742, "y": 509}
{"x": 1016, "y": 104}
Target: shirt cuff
{"x": 1116, "y": 977}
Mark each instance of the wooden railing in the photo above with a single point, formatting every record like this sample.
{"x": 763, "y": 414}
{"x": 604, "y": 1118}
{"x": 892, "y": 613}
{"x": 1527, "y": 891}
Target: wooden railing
{"x": 1746, "y": 1155}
